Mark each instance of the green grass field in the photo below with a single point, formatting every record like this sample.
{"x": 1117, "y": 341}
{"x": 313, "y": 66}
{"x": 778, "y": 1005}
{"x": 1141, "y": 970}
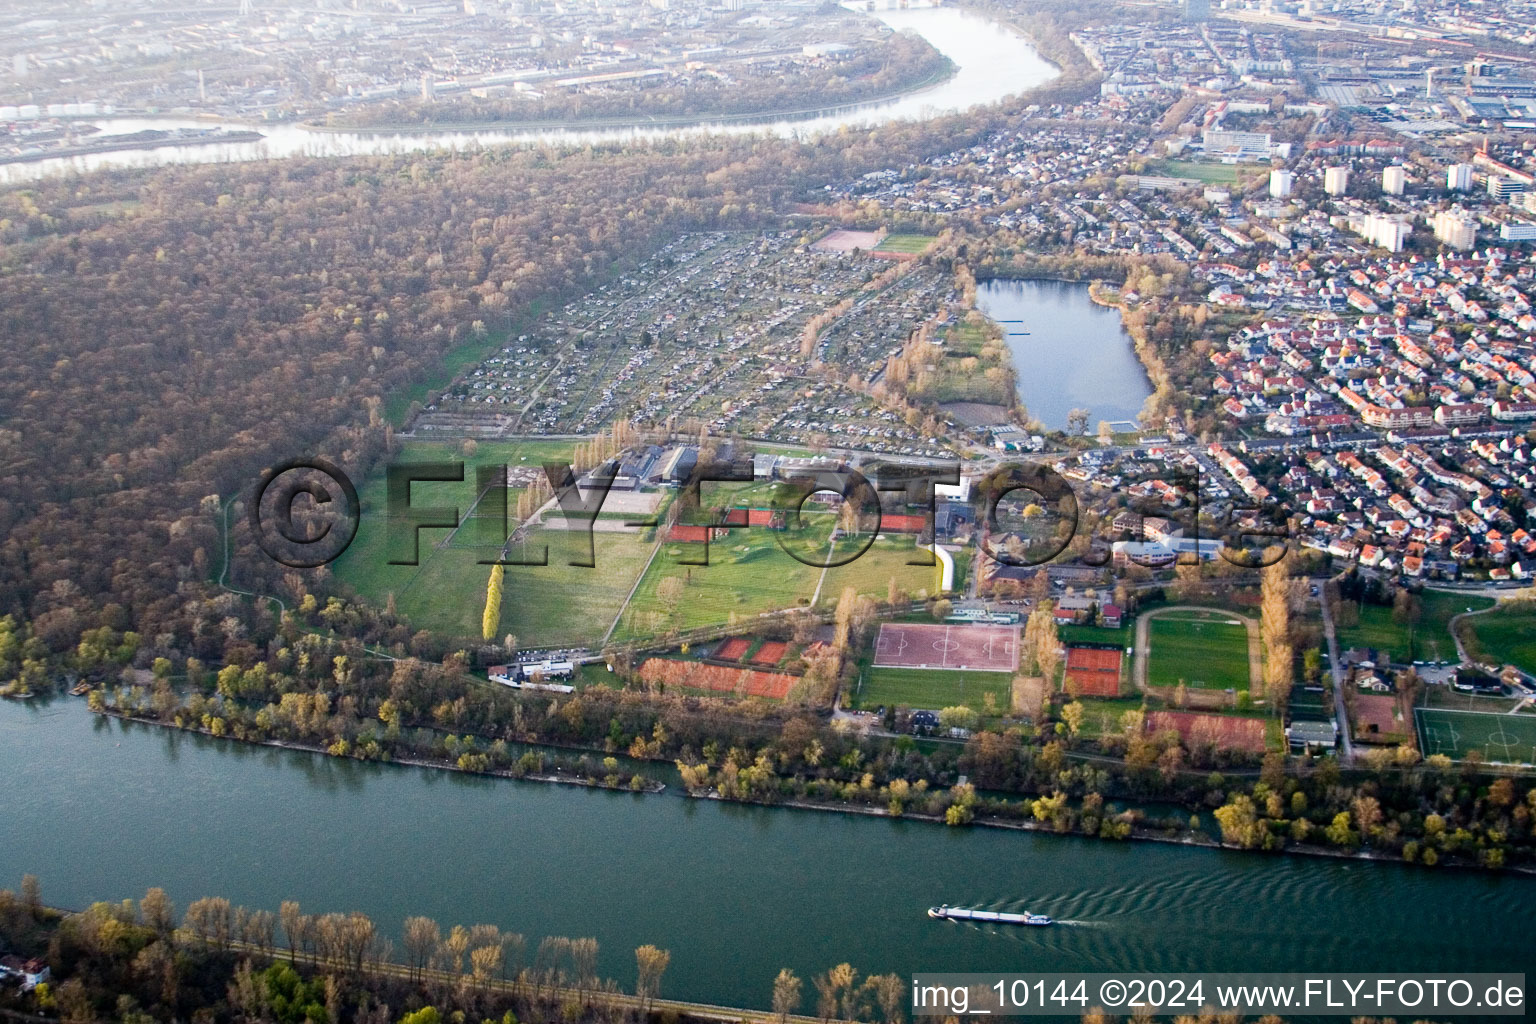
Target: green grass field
{"x": 554, "y": 604}
{"x": 1428, "y": 640}
{"x": 1124, "y": 636}
{"x": 1510, "y": 739}
{"x": 1101, "y": 715}
{"x": 747, "y": 574}
{"x": 905, "y": 243}
{"x": 871, "y": 572}
{"x": 1508, "y": 636}
{"x": 933, "y": 689}
{"x": 1200, "y": 648}
{"x": 1211, "y": 174}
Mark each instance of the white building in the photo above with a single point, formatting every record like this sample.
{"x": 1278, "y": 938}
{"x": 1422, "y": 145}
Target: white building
{"x": 1281, "y": 183}
{"x": 1513, "y": 231}
{"x": 1225, "y": 145}
{"x": 1455, "y": 229}
{"x": 1394, "y": 180}
{"x": 1336, "y": 181}
{"x": 1458, "y": 177}
{"x": 1504, "y": 190}
{"x": 1390, "y": 233}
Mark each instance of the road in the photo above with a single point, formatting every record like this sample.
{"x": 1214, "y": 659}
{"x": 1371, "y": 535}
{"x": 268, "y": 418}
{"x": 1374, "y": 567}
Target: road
{"x": 1346, "y": 747}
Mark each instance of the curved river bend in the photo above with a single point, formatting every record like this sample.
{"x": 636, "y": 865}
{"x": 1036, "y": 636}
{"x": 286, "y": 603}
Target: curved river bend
{"x": 992, "y": 63}
{"x": 102, "y": 809}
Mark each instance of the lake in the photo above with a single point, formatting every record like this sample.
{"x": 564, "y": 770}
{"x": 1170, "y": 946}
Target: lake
{"x": 101, "y": 810}
{"x": 1068, "y": 352}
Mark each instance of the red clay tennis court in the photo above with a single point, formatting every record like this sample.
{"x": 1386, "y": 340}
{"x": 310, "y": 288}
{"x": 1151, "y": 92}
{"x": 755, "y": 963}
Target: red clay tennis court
{"x": 1227, "y": 732}
{"x": 1094, "y": 671}
{"x": 771, "y": 653}
{"x": 979, "y": 648}
{"x": 733, "y": 649}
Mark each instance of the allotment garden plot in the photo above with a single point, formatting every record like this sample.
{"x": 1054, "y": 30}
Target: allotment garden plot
{"x": 1504, "y": 738}
{"x": 715, "y": 327}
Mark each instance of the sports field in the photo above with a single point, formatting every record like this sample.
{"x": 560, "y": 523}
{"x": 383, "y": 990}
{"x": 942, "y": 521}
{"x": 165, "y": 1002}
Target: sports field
{"x": 1093, "y": 671}
{"x": 1204, "y": 650}
{"x": 847, "y": 240}
{"x": 1211, "y": 174}
{"x": 552, "y": 604}
{"x": 926, "y": 688}
{"x": 1507, "y": 739}
{"x": 912, "y": 244}
{"x": 974, "y": 647}
{"x": 747, "y": 574}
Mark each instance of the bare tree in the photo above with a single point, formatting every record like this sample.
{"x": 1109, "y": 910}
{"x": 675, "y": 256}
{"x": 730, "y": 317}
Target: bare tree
{"x": 584, "y": 964}
{"x": 421, "y": 937}
{"x": 158, "y": 912}
{"x": 294, "y": 924}
{"x": 786, "y": 994}
{"x": 652, "y": 963}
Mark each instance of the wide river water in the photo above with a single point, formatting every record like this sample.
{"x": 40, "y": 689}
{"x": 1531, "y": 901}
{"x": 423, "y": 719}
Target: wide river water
{"x": 1068, "y": 352}
{"x": 101, "y": 810}
{"x": 991, "y": 63}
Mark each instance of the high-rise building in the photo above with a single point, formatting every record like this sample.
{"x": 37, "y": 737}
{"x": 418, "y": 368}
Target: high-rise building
{"x": 1280, "y": 183}
{"x": 1458, "y": 177}
{"x": 1380, "y": 229}
{"x": 1504, "y": 190}
{"x": 428, "y": 87}
{"x": 1336, "y": 181}
{"x": 1197, "y": 10}
{"x": 1394, "y": 180}
{"x": 1455, "y": 229}
{"x": 19, "y": 65}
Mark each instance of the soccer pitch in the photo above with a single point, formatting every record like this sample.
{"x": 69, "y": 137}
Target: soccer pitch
{"x": 1507, "y": 739}
{"x": 1205, "y": 650}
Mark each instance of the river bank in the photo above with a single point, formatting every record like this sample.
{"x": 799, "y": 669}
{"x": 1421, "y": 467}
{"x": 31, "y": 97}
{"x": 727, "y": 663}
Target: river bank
{"x": 1132, "y": 829}
{"x": 647, "y": 785}
{"x": 691, "y": 120}
{"x": 127, "y": 808}
{"x": 992, "y": 62}
{"x": 1189, "y": 839}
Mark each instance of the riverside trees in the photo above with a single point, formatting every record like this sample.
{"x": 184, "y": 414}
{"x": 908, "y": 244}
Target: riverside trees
{"x": 132, "y": 961}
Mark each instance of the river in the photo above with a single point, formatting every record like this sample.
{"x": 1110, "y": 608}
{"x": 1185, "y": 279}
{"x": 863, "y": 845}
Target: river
{"x": 102, "y": 809}
{"x": 991, "y": 63}
{"x": 1068, "y": 352}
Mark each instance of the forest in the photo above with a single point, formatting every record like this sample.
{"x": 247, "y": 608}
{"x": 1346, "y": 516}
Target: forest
{"x": 174, "y": 332}
{"x": 900, "y": 63}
